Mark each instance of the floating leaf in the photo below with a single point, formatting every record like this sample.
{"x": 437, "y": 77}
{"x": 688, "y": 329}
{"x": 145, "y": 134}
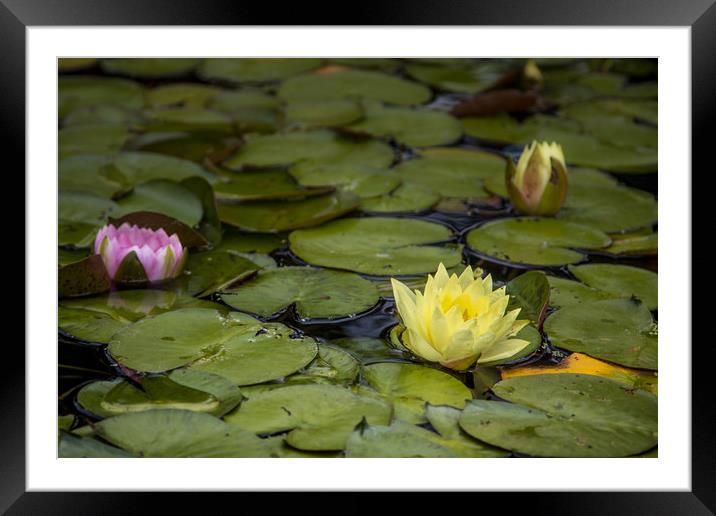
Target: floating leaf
{"x": 80, "y": 91}
{"x": 325, "y": 146}
{"x": 182, "y": 94}
{"x": 578, "y": 363}
{"x": 361, "y": 180}
{"x": 165, "y": 197}
{"x": 564, "y": 292}
{"x": 617, "y": 330}
{"x": 399, "y": 440}
{"x": 408, "y": 197}
{"x": 445, "y": 420}
{"x": 324, "y": 113}
{"x": 72, "y": 447}
{"x": 210, "y": 271}
{"x": 412, "y": 127}
{"x": 636, "y": 243}
{"x": 277, "y": 216}
{"x": 367, "y": 349}
{"x": 315, "y": 293}
{"x": 150, "y": 67}
{"x": 332, "y": 364}
{"x": 260, "y": 186}
{"x": 354, "y": 84}
{"x": 255, "y": 69}
{"x": 620, "y": 280}
{"x": 530, "y": 292}
{"x": 464, "y": 77}
{"x": 318, "y": 417}
{"x": 91, "y": 139}
{"x": 187, "y": 119}
{"x": 85, "y": 277}
{"x": 410, "y": 386}
{"x": 87, "y": 209}
{"x": 535, "y": 241}
{"x": 179, "y": 433}
{"x": 565, "y": 415}
{"x": 376, "y": 245}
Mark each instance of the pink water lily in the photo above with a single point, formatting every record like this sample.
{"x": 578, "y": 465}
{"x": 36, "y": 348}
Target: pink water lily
{"x": 162, "y": 256}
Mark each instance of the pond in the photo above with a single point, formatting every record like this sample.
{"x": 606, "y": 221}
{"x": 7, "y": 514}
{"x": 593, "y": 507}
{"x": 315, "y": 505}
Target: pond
{"x": 292, "y": 208}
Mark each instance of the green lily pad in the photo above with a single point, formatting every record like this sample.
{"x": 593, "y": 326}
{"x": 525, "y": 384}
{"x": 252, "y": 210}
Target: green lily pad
{"x": 102, "y": 115}
{"x": 368, "y": 349}
{"x": 73, "y": 447}
{"x": 179, "y": 433}
{"x": 67, "y": 256}
{"x": 186, "y": 119}
{"x": 251, "y": 243}
{"x": 91, "y": 139}
{"x": 564, "y": 292}
{"x": 617, "y": 330}
{"x": 315, "y": 293}
{"x": 530, "y": 292}
{"x": 182, "y": 94}
{"x": 565, "y": 415}
{"x": 317, "y": 417}
{"x": 535, "y": 241}
{"x": 361, "y": 180}
{"x": 88, "y": 325}
{"x": 166, "y": 197}
{"x": 320, "y": 145}
{"x": 150, "y": 67}
{"x": 80, "y": 91}
{"x": 408, "y": 197}
{"x": 197, "y": 147}
{"x": 255, "y": 69}
{"x": 71, "y": 64}
{"x": 644, "y": 242}
{"x": 410, "y": 386}
{"x": 331, "y": 365}
{"x": 277, "y": 216}
{"x": 620, "y": 280}
{"x": 376, "y": 246}
{"x": 231, "y": 101}
{"x": 412, "y": 127}
{"x": 466, "y": 77}
{"x": 86, "y": 209}
{"x": 265, "y": 185}
{"x": 324, "y": 113}
{"x": 446, "y": 421}
{"x": 210, "y": 271}
{"x": 234, "y": 345}
{"x": 354, "y": 84}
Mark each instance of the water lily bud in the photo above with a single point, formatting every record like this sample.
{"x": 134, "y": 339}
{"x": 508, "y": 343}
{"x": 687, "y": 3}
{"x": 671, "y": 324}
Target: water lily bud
{"x": 531, "y": 75}
{"x": 457, "y": 319}
{"x": 538, "y": 183}
{"x": 161, "y": 256}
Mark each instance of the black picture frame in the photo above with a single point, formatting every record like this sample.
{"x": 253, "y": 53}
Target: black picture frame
{"x": 699, "y": 15}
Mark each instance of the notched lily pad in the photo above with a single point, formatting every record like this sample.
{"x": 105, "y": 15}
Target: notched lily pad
{"x": 620, "y": 280}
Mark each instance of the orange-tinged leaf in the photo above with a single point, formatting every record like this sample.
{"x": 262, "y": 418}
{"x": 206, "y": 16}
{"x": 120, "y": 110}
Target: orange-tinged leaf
{"x": 584, "y": 364}
{"x": 331, "y": 69}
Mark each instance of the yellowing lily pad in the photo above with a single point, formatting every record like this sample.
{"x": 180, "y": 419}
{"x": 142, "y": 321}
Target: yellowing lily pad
{"x": 315, "y": 293}
{"x": 535, "y": 241}
{"x": 377, "y": 246}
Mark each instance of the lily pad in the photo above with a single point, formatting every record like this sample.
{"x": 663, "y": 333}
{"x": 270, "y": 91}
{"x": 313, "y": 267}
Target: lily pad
{"x": 565, "y": 292}
{"x": 86, "y": 209}
{"x": 186, "y": 119}
{"x": 620, "y": 280}
{"x": 410, "y": 386}
{"x": 367, "y": 349}
{"x": 91, "y": 139}
{"x": 331, "y": 365}
{"x": 150, "y": 67}
{"x": 260, "y": 186}
{"x": 412, "y": 127}
{"x": 565, "y": 416}
{"x": 255, "y": 69}
{"x": 166, "y": 197}
{"x": 232, "y": 101}
{"x": 320, "y": 145}
{"x": 72, "y": 447}
{"x": 179, "y": 433}
{"x": 317, "y": 417}
{"x": 182, "y": 94}
{"x": 535, "y": 241}
{"x": 446, "y": 421}
{"x": 79, "y": 91}
{"x": 466, "y": 77}
{"x": 636, "y": 243}
{"x": 234, "y": 345}
{"x": 315, "y": 293}
{"x": 325, "y": 113}
{"x": 376, "y": 246}
{"x": 408, "y": 197}
{"x": 88, "y": 325}
{"x": 530, "y": 293}
{"x": 364, "y": 181}
{"x": 209, "y": 271}
{"x": 277, "y": 216}
{"x": 85, "y": 277}
{"x": 354, "y": 84}
{"x": 617, "y": 330}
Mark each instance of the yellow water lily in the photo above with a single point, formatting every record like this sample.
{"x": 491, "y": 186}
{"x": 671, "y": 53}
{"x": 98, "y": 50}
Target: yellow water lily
{"x": 537, "y": 185}
{"x": 458, "y": 320}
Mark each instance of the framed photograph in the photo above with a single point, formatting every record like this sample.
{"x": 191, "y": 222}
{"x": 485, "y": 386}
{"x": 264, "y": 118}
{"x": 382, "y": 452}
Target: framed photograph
{"x": 385, "y": 256}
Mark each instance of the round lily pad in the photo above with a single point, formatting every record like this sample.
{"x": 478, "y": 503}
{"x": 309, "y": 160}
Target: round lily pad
{"x": 72, "y": 446}
{"x": 186, "y": 119}
{"x": 617, "y": 330}
{"x": 179, "y": 433}
{"x": 535, "y": 241}
{"x": 255, "y": 69}
{"x": 100, "y": 115}
{"x": 88, "y": 325}
{"x": 377, "y": 246}
{"x": 412, "y": 127}
{"x": 399, "y": 440}
{"x": 331, "y": 365}
{"x": 368, "y": 349}
{"x": 182, "y": 94}
{"x": 466, "y": 77}
{"x": 166, "y": 197}
{"x": 91, "y": 139}
{"x": 362, "y": 180}
{"x": 324, "y": 113}
{"x": 644, "y": 242}
{"x": 277, "y": 216}
{"x": 150, "y": 67}
{"x": 565, "y": 415}
{"x": 317, "y": 417}
{"x": 86, "y": 208}
{"x": 209, "y": 271}
{"x": 321, "y": 145}
{"x": 315, "y": 293}
{"x": 80, "y": 91}
{"x": 408, "y": 197}
{"x": 620, "y": 280}
{"x": 410, "y": 386}
{"x": 354, "y": 84}
{"x": 565, "y": 292}
{"x": 233, "y": 101}
{"x": 265, "y": 185}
